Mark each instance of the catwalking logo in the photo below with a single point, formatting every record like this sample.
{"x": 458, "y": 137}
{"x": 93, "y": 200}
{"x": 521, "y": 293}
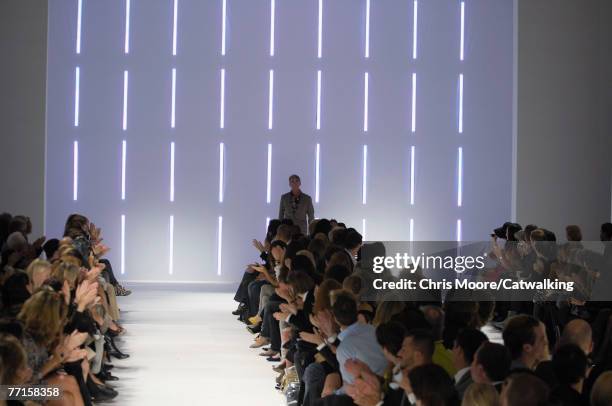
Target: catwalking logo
{"x": 411, "y": 263}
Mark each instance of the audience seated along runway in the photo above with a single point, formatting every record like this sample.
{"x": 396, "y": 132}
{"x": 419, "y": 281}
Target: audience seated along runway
{"x": 330, "y": 346}
{"x": 60, "y": 316}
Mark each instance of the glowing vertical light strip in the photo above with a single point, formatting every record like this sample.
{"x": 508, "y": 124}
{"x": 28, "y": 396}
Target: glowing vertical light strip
{"x": 363, "y": 229}
{"x": 317, "y": 171}
{"x": 267, "y": 223}
{"x": 412, "y": 177}
{"x": 364, "y": 185}
{"x": 75, "y": 170}
{"x": 459, "y": 236}
{"x": 223, "y": 23}
{"x": 125, "y": 99}
{"x": 78, "y": 33}
{"x": 366, "y": 80}
{"x": 415, "y": 8}
{"x": 462, "y": 30}
{"x": 221, "y": 170}
{"x": 172, "y": 171}
{"x": 272, "y": 12}
{"x": 459, "y": 177}
{"x": 173, "y": 106}
{"x": 413, "y": 118}
{"x": 222, "y": 102}
{"x": 77, "y": 94}
{"x": 123, "y": 161}
{"x": 122, "y": 244}
{"x": 367, "y": 30}
{"x": 318, "y": 100}
{"x": 171, "y": 253}
{"x": 219, "y": 244}
{"x": 411, "y": 230}
{"x": 269, "y": 174}
{"x": 174, "y": 27}
{"x": 270, "y": 99}
{"x": 320, "y": 36}
{"x": 127, "y": 27}
{"x": 460, "y": 103}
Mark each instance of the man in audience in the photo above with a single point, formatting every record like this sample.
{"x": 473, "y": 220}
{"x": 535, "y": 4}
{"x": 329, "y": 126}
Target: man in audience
{"x": 417, "y": 349}
{"x": 357, "y": 340}
{"x": 391, "y": 336}
{"x": 524, "y": 389}
{"x": 570, "y": 365}
{"x": 577, "y": 332}
{"x": 466, "y": 344}
{"x": 491, "y": 364}
{"x": 527, "y": 342}
{"x": 601, "y": 395}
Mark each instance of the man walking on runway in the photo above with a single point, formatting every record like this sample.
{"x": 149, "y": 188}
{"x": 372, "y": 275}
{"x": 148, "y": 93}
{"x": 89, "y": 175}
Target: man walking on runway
{"x": 296, "y": 205}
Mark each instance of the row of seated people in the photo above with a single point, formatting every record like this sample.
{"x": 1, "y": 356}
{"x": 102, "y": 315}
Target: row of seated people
{"x": 305, "y": 304}
{"x": 59, "y": 317}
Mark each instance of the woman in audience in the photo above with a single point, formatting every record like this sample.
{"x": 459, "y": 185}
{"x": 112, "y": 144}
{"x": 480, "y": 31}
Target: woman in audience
{"x": 480, "y": 394}
{"x": 62, "y": 312}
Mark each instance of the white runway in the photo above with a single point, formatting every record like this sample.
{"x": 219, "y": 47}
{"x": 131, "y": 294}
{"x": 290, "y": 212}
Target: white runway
{"x": 186, "y": 348}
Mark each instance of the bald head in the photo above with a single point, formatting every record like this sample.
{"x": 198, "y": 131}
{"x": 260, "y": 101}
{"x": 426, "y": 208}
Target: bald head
{"x": 578, "y": 332}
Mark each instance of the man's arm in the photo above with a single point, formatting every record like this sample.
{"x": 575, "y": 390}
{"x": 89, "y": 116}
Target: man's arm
{"x": 281, "y": 209}
{"x": 310, "y": 210}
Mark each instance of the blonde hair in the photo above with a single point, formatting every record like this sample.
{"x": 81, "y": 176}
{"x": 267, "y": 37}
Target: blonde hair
{"x": 386, "y": 310}
{"x": 481, "y": 394}
{"x": 44, "y": 316}
{"x": 66, "y": 271}
{"x": 37, "y": 266}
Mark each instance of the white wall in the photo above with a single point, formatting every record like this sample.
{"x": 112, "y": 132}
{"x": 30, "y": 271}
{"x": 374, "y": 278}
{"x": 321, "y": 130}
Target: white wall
{"x": 564, "y": 114}
{"x": 23, "y": 72}
{"x": 486, "y": 136}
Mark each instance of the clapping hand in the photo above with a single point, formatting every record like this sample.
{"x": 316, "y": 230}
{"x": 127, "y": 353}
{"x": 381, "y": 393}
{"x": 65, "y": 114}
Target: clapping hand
{"x": 100, "y": 250}
{"x": 280, "y": 316}
{"x": 365, "y": 391}
{"x": 325, "y": 322}
{"x": 94, "y": 233}
{"x": 86, "y": 294}
{"x": 259, "y": 268}
{"x": 95, "y": 271}
{"x": 258, "y": 245}
{"x": 39, "y": 242}
{"x": 313, "y": 338}
{"x": 357, "y": 368}
{"x": 288, "y": 308}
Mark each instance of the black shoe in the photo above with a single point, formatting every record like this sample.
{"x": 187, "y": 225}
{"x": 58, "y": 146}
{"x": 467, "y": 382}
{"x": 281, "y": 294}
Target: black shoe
{"x": 107, "y": 367}
{"x": 112, "y": 349}
{"x": 254, "y": 329}
{"x": 239, "y": 310}
{"x": 106, "y": 376}
{"x": 100, "y": 393}
{"x": 274, "y": 358}
{"x": 118, "y": 355}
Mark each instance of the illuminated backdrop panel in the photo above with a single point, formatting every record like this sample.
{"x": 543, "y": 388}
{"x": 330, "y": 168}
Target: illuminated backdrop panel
{"x": 174, "y": 124}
